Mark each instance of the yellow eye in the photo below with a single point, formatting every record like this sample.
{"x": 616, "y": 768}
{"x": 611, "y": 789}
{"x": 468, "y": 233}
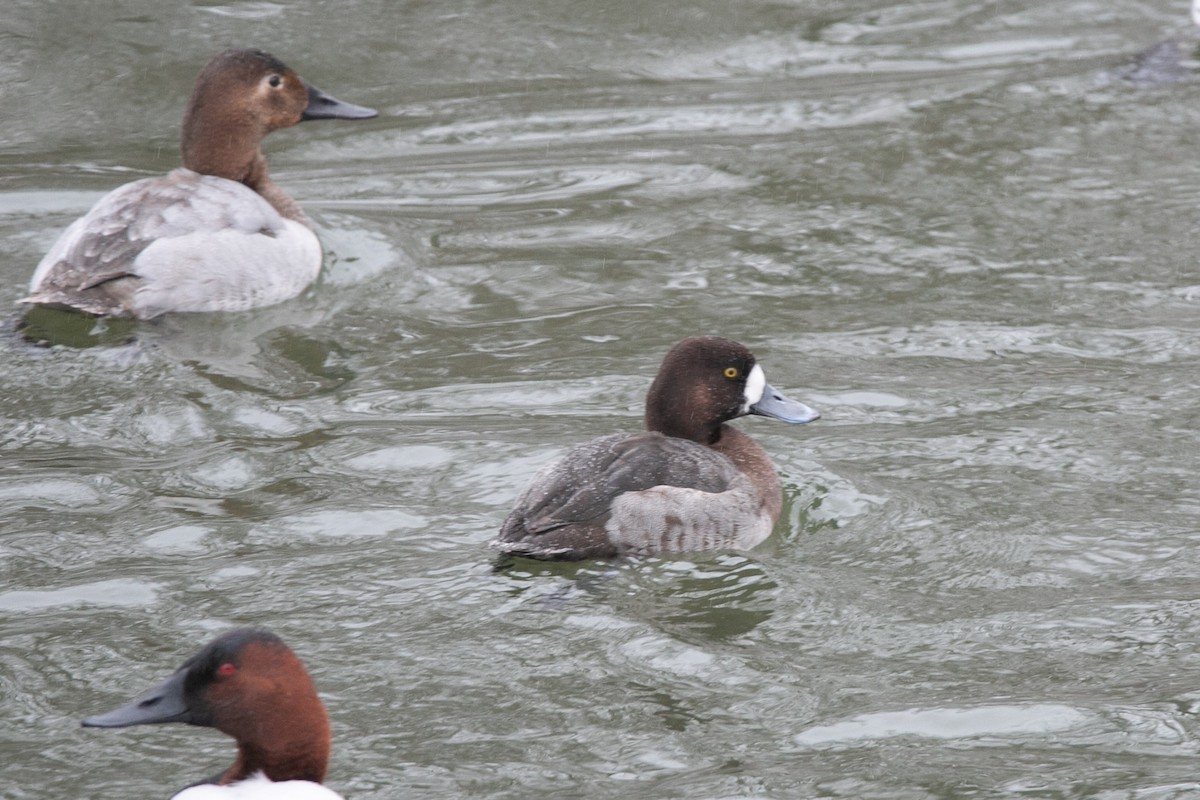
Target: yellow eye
{"x": 731, "y": 372}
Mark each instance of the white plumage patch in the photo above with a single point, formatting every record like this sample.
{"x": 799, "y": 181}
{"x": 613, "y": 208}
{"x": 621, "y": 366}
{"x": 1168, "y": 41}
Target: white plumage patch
{"x": 756, "y": 382}
{"x": 258, "y": 787}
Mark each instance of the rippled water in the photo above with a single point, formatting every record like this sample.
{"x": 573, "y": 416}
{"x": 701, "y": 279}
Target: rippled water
{"x": 943, "y": 224}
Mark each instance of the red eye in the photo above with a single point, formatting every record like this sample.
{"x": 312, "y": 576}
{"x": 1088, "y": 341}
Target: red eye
{"x": 226, "y": 669}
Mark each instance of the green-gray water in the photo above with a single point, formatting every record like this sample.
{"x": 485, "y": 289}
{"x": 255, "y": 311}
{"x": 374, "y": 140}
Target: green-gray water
{"x": 932, "y": 221}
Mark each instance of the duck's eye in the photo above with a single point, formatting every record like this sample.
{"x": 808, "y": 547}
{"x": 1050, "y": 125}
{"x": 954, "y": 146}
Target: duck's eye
{"x": 731, "y": 372}
{"x": 226, "y": 669}
{"x": 275, "y": 81}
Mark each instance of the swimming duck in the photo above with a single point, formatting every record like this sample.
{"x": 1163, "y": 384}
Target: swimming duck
{"x": 248, "y": 684}
{"x": 690, "y": 482}
{"x": 213, "y": 235}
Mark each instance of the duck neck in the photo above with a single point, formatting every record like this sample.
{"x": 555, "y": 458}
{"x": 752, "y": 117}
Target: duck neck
{"x": 258, "y": 180}
{"x": 235, "y": 158}
{"x": 678, "y": 415}
{"x": 299, "y": 753}
{"x": 228, "y": 150}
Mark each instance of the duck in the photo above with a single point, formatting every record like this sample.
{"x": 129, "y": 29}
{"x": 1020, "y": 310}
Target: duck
{"x": 247, "y": 684}
{"x": 690, "y": 482}
{"x": 1167, "y": 62}
{"x": 215, "y": 234}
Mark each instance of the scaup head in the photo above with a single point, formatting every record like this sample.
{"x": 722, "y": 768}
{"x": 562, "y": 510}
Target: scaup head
{"x": 248, "y": 684}
{"x": 704, "y": 382}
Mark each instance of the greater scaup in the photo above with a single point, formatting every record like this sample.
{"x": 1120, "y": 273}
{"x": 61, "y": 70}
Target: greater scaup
{"x": 691, "y": 482}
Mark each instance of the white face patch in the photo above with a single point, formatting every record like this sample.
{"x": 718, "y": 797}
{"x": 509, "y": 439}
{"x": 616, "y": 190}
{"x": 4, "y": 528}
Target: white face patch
{"x": 756, "y": 381}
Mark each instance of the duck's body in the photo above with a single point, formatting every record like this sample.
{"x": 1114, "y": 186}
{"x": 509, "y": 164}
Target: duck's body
{"x": 182, "y": 242}
{"x": 214, "y": 235}
{"x": 690, "y": 482}
{"x": 645, "y": 493}
{"x": 248, "y": 684}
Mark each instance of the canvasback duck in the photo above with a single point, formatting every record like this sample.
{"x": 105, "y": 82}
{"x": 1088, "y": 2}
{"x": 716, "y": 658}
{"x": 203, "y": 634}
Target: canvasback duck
{"x": 691, "y": 482}
{"x": 213, "y": 235}
{"x": 248, "y": 684}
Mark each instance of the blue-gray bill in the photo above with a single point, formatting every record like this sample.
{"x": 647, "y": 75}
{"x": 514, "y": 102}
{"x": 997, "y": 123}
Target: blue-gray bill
{"x": 776, "y": 406}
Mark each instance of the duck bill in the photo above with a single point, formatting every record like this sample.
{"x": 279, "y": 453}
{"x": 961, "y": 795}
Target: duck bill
{"x": 163, "y": 703}
{"x": 322, "y": 106}
{"x": 776, "y": 406}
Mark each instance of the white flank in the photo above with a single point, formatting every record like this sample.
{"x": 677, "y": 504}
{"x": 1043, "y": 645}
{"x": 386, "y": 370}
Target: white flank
{"x": 258, "y": 787}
